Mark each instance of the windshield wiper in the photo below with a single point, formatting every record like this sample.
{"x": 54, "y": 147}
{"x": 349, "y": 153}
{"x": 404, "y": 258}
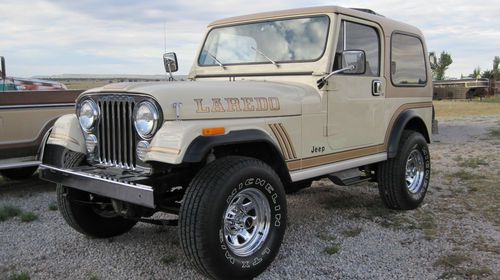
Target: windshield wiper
{"x": 265, "y": 56}
{"x": 216, "y": 60}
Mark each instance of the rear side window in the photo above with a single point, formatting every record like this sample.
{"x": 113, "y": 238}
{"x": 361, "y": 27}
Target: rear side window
{"x": 407, "y": 61}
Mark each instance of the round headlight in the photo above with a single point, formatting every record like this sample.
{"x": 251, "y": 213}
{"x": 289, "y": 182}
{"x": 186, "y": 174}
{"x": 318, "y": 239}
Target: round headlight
{"x": 146, "y": 119}
{"x": 88, "y": 115}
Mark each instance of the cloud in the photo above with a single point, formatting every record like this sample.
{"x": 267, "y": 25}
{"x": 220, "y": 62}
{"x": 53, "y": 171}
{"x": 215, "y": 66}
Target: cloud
{"x": 124, "y": 36}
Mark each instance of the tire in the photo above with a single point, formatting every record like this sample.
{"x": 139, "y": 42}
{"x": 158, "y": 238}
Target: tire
{"x": 19, "y": 173}
{"x": 297, "y": 186}
{"x": 398, "y": 189}
{"x": 74, "y": 204}
{"x": 214, "y": 199}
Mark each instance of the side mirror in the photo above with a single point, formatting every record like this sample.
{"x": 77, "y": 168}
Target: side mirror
{"x": 3, "y": 73}
{"x": 356, "y": 59}
{"x": 170, "y": 62}
{"x": 353, "y": 62}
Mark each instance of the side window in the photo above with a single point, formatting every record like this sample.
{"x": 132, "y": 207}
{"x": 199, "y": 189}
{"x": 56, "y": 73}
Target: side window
{"x": 407, "y": 61}
{"x": 355, "y": 36}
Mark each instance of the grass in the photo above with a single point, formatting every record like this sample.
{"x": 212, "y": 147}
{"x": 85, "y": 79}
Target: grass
{"x": 495, "y": 99}
{"x": 93, "y": 277}
{"x": 452, "y": 260}
{"x": 481, "y": 244}
{"x": 53, "y": 206}
{"x": 453, "y": 264}
{"x": 333, "y": 249}
{"x": 446, "y": 109}
{"x": 472, "y": 162}
{"x": 353, "y": 232}
{"x": 9, "y": 211}
{"x": 468, "y": 273}
{"x": 495, "y": 132}
{"x": 427, "y": 223}
{"x": 464, "y": 175}
{"x": 326, "y": 236}
{"x": 19, "y": 276}
{"x": 168, "y": 259}
{"x": 27, "y": 217}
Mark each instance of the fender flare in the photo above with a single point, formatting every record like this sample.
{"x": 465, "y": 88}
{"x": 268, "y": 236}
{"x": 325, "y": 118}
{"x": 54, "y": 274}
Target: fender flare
{"x": 202, "y": 145}
{"x": 397, "y": 130}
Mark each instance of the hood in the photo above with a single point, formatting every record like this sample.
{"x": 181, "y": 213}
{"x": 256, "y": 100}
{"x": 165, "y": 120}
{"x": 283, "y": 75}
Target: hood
{"x": 219, "y": 99}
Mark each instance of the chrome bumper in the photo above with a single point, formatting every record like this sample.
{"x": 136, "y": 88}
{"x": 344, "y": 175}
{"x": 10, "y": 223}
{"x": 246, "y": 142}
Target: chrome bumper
{"x": 100, "y": 185}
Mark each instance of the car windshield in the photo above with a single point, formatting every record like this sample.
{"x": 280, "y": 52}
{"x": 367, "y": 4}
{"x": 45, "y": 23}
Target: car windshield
{"x": 290, "y": 40}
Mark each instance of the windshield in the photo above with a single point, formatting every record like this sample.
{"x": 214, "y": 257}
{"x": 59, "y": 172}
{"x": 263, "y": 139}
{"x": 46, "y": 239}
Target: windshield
{"x": 290, "y": 40}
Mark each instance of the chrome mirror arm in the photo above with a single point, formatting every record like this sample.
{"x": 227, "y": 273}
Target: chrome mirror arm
{"x": 321, "y": 82}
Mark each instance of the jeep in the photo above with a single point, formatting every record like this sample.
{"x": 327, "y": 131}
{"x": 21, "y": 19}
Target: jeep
{"x": 275, "y": 100}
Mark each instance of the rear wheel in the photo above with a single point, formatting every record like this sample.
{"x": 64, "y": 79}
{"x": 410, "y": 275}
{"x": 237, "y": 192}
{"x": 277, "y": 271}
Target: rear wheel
{"x": 403, "y": 180}
{"x": 19, "y": 173}
{"x": 86, "y": 213}
{"x": 233, "y": 218}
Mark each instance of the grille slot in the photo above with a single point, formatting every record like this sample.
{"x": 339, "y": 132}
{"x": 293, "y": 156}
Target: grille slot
{"x": 115, "y": 132}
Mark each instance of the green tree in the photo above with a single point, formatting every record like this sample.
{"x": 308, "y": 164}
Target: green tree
{"x": 488, "y": 74}
{"x": 441, "y": 65}
{"x": 476, "y": 73}
{"x": 496, "y": 71}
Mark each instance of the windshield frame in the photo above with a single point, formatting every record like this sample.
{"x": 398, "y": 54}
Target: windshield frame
{"x": 327, "y": 35}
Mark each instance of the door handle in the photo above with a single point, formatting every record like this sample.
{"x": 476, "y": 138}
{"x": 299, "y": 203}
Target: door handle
{"x": 376, "y": 88}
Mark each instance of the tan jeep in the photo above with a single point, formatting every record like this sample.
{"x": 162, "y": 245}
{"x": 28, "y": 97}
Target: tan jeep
{"x": 275, "y": 101}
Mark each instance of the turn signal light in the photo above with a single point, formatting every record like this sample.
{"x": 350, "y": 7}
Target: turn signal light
{"x": 212, "y": 131}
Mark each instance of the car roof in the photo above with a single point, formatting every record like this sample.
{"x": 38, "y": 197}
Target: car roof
{"x": 388, "y": 25}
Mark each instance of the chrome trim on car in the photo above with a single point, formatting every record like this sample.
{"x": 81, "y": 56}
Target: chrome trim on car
{"x": 108, "y": 187}
{"x": 335, "y": 167}
{"x": 116, "y": 141}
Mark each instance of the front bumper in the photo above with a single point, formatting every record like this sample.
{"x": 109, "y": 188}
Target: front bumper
{"x": 123, "y": 188}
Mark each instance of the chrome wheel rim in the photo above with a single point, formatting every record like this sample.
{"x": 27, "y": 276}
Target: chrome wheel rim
{"x": 415, "y": 169}
{"x": 246, "y": 222}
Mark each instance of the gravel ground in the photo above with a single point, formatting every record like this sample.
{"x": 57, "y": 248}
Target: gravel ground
{"x": 334, "y": 232}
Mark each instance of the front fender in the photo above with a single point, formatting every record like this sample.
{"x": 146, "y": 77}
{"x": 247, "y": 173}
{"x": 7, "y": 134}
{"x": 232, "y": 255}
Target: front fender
{"x": 68, "y": 134}
{"x": 180, "y": 141}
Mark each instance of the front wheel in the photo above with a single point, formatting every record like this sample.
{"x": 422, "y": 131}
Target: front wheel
{"x": 233, "y": 218}
{"x": 403, "y": 180}
{"x": 88, "y": 214}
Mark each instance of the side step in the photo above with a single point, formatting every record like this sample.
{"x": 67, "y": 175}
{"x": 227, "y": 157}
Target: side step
{"x": 349, "y": 177}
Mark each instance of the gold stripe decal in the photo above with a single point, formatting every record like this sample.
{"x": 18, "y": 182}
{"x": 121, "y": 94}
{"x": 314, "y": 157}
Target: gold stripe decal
{"x": 284, "y": 141}
{"x": 280, "y": 141}
{"x": 288, "y": 143}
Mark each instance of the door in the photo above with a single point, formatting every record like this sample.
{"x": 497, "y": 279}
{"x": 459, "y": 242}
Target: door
{"x": 356, "y": 101}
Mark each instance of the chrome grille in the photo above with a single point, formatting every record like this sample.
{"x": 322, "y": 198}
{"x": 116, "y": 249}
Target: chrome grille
{"x": 115, "y": 132}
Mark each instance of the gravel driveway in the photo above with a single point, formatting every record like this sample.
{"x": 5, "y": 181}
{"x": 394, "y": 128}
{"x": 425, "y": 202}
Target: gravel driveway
{"x": 334, "y": 232}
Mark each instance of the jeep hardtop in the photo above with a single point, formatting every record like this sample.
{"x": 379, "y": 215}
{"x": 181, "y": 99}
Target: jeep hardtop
{"x": 275, "y": 100}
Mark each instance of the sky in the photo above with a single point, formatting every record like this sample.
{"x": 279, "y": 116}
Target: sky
{"x": 42, "y": 37}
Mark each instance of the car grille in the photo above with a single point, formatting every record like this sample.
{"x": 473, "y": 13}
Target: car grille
{"x": 115, "y": 132}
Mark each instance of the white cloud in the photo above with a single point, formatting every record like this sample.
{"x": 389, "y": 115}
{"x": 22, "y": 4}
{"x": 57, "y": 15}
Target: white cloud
{"x": 53, "y": 37}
